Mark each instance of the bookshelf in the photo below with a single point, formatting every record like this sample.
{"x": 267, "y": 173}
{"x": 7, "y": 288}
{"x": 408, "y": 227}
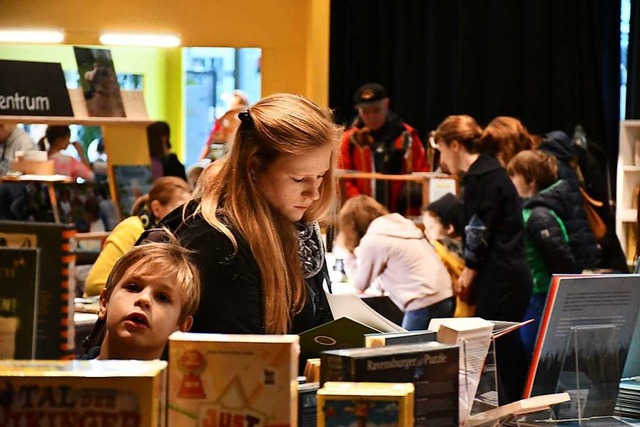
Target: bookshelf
{"x": 627, "y": 184}
{"x": 125, "y": 137}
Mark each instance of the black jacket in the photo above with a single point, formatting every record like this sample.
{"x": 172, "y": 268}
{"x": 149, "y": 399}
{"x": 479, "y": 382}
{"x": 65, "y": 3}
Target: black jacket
{"x": 494, "y": 241}
{"x": 232, "y": 291}
{"x": 583, "y": 244}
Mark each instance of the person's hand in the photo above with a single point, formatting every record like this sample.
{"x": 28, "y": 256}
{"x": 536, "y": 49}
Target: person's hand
{"x": 463, "y": 287}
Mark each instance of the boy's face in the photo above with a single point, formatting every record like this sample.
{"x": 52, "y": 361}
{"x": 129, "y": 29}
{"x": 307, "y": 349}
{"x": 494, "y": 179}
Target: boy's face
{"x": 143, "y": 310}
{"x": 525, "y": 189}
{"x": 433, "y": 228}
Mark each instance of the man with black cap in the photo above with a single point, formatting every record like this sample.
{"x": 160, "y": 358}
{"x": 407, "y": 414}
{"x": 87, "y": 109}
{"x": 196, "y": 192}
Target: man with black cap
{"x": 379, "y": 141}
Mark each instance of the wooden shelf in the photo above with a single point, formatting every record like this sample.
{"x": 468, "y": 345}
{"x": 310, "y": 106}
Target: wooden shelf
{"x": 87, "y": 121}
{"x": 631, "y": 168}
{"x": 627, "y": 215}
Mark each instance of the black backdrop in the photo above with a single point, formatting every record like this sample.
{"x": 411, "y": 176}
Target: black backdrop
{"x": 550, "y": 63}
{"x": 632, "y": 110}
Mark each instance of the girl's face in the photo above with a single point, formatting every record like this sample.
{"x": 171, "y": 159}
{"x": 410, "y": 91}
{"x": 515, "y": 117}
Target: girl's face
{"x": 450, "y": 156}
{"x": 433, "y": 228}
{"x": 160, "y": 211}
{"x": 292, "y": 183}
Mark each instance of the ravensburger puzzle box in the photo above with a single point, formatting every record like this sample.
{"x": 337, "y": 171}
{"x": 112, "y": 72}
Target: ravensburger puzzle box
{"x": 115, "y": 393}
{"x": 232, "y": 380}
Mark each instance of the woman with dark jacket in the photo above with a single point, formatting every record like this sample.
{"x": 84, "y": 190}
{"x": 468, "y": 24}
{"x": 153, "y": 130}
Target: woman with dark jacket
{"x": 496, "y": 267}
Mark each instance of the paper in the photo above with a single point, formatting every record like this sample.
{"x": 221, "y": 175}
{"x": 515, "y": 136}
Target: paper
{"x": 353, "y": 307}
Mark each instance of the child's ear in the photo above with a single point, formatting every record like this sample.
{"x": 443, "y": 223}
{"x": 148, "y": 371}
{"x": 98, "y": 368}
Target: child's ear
{"x": 186, "y": 325}
{"x": 102, "y": 308}
{"x": 155, "y": 207}
{"x": 450, "y": 230}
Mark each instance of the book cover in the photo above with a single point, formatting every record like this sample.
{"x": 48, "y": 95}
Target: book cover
{"x": 308, "y": 404}
{"x": 99, "y": 82}
{"x": 56, "y": 263}
{"x": 18, "y": 302}
{"x": 220, "y": 379}
{"x": 82, "y": 393}
{"x": 337, "y": 334}
{"x": 131, "y": 182}
{"x": 584, "y": 339}
{"x": 381, "y": 339}
{"x": 365, "y": 404}
{"x": 431, "y": 367}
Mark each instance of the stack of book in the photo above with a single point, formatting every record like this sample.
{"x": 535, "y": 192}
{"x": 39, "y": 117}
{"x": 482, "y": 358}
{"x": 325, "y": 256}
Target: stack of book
{"x": 628, "y": 403}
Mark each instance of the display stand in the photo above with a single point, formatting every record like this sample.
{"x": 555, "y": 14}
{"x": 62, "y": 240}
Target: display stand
{"x": 590, "y": 373}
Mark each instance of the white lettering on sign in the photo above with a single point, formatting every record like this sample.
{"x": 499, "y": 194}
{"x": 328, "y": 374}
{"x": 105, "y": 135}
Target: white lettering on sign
{"x": 22, "y": 102}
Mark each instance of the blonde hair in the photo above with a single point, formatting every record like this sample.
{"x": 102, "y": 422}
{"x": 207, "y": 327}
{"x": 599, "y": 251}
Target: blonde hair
{"x": 504, "y": 137}
{"x": 462, "y": 128}
{"x": 164, "y": 190}
{"x": 354, "y": 219}
{"x": 167, "y": 259}
{"x": 277, "y": 125}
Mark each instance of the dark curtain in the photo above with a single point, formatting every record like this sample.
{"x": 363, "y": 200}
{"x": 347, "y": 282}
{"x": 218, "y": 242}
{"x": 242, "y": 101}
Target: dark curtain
{"x": 633, "y": 63}
{"x": 552, "y": 64}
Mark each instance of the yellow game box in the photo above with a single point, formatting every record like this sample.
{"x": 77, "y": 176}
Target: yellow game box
{"x": 218, "y": 380}
{"x": 114, "y": 393}
{"x": 380, "y": 404}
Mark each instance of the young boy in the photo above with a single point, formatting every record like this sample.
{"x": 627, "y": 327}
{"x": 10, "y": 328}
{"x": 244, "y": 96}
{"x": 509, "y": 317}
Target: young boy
{"x": 534, "y": 174}
{"x": 152, "y": 291}
{"x": 442, "y": 220}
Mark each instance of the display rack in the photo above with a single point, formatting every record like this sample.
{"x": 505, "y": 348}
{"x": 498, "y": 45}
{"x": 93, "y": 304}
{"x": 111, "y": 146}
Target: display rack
{"x": 627, "y": 185}
{"x": 125, "y": 137}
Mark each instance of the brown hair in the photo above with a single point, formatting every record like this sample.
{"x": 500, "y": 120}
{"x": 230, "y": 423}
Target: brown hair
{"x": 463, "y": 129}
{"x": 534, "y": 166}
{"x": 277, "y": 125}
{"x": 355, "y": 216}
{"x": 505, "y": 137}
{"x": 168, "y": 259}
{"x": 164, "y": 190}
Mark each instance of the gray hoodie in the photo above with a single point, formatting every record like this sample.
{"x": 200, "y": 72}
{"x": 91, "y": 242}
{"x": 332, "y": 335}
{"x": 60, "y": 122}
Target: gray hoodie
{"x": 395, "y": 252}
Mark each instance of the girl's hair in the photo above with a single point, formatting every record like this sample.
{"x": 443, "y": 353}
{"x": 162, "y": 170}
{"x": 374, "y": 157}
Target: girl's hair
{"x": 463, "y": 129}
{"x": 534, "y": 166}
{"x": 51, "y": 135}
{"x": 167, "y": 258}
{"x": 505, "y": 137}
{"x": 164, "y": 190}
{"x": 281, "y": 124}
{"x": 355, "y": 216}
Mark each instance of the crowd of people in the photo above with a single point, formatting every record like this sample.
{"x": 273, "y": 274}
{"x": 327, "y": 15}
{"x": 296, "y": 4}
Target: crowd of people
{"x": 233, "y": 234}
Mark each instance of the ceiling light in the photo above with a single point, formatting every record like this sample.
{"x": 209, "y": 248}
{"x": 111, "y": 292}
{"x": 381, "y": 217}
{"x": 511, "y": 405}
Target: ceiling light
{"x": 31, "y": 36}
{"x": 122, "y": 39}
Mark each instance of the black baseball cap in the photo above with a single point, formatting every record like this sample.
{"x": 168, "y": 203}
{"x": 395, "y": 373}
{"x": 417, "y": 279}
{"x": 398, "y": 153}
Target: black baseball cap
{"x": 369, "y": 93}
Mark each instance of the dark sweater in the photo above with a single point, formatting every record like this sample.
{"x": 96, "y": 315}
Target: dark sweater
{"x": 232, "y": 291}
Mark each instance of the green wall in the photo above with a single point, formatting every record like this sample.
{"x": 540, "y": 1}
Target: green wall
{"x": 161, "y": 68}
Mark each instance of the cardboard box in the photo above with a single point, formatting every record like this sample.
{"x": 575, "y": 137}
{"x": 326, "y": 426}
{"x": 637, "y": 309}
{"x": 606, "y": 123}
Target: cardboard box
{"x": 34, "y": 167}
{"x": 117, "y": 393}
{"x": 379, "y": 404}
{"x": 235, "y": 380}
{"x": 432, "y": 368}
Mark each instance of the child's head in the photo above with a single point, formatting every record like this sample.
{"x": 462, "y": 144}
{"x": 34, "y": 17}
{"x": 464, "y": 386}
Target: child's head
{"x": 354, "y": 219}
{"x": 443, "y": 218}
{"x": 532, "y": 171}
{"x": 152, "y": 291}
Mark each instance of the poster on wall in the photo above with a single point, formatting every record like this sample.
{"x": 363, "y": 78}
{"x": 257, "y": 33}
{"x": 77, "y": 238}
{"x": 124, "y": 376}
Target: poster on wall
{"x": 99, "y": 82}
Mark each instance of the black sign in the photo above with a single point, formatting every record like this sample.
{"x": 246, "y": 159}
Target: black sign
{"x": 33, "y": 89}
